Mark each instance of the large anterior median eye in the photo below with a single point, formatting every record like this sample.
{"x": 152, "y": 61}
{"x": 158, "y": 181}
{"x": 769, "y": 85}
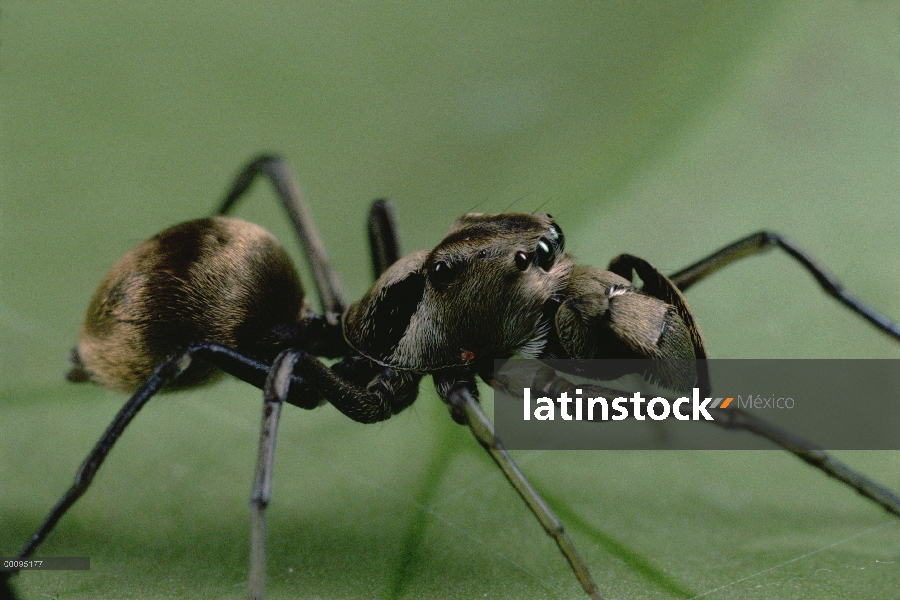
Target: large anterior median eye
{"x": 545, "y": 254}
{"x": 442, "y": 273}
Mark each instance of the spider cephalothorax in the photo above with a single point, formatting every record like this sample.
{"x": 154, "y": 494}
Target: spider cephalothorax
{"x": 480, "y": 294}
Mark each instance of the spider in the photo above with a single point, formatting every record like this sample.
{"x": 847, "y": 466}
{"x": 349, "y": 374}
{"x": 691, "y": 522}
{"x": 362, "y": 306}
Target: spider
{"x": 220, "y": 295}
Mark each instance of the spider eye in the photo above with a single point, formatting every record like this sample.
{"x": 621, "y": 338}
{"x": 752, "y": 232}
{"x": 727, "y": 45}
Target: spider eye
{"x": 522, "y": 260}
{"x": 545, "y": 254}
{"x": 557, "y": 238}
{"x": 442, "y": 273}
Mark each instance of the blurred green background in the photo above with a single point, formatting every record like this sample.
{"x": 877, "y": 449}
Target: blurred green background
{"x": 663, "y": 129}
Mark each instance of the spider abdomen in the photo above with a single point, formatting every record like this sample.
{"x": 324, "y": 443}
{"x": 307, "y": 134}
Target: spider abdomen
{"x": 219, "y": 279}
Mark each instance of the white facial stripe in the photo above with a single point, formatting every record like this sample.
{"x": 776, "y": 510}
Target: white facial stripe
{"x": 615, "y": 290}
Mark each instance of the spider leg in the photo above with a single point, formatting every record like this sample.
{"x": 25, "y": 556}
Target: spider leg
{"x": 546, "y": 382}
{"x": 328, "y": 284}
{"x": 244, "y": 368}
{"x": 744, "y": 421}
{"x": 369, "y": 394}
{"x": 344, "y": 386}
{"x": 6, "y": 590}
{"x": 275, "y": 392}
{"x": 384, "y": 240}
{"x": 459, "y": 394}
{"x": 765, "y": 240}
{"x": 659, "y": 286}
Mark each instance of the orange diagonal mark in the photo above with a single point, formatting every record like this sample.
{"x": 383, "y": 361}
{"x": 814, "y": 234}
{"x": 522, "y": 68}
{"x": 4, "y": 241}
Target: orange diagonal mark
{"x": 726, "y": 403}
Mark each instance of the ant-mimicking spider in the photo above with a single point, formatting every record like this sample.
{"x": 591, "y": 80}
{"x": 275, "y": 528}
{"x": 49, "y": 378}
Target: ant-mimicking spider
{"x": 221, "y": 295}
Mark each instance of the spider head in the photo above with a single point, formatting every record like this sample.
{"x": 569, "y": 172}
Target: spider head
{"x": 479, "y": 295}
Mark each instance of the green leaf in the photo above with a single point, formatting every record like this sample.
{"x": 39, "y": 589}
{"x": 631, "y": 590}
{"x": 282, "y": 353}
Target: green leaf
{"x": 665, "y": 130}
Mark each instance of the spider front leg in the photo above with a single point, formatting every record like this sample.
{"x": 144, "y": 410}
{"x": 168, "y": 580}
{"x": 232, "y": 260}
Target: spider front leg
{"x": 766, "y": 240}
{"x": 600, "y": 308}
{"x": 547, "y": 382}
{"x": 459, "y": 392}
{"x": 602, "y": 315}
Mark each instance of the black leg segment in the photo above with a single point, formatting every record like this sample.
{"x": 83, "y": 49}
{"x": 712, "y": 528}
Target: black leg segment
{"x": 459, "y": 392}
{"x": 765, "y": 240}
{"x": 547, "y": 382}
{"x": 384, "y": 239}
{"x": 275, "y": 391}
{"x": 328, "y": 285}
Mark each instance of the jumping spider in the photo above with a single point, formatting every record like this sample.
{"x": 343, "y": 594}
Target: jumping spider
{"x": 221, "y": 295}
